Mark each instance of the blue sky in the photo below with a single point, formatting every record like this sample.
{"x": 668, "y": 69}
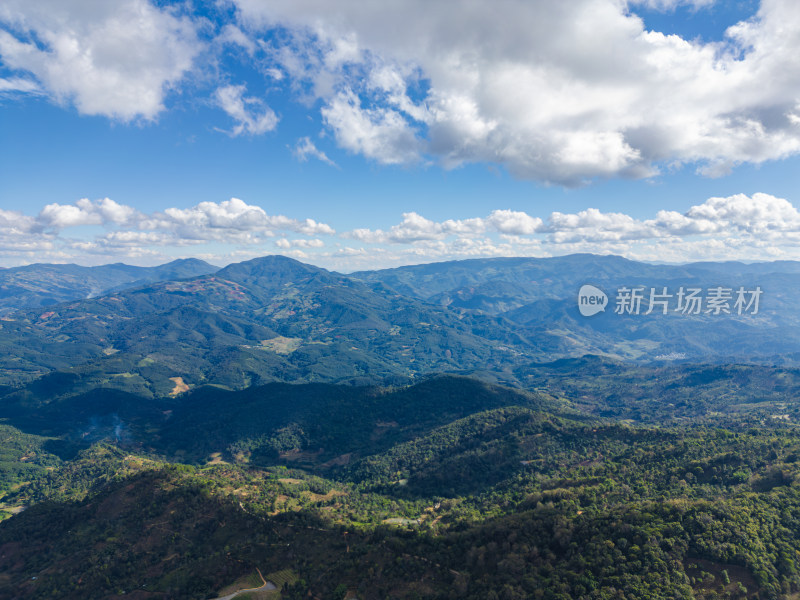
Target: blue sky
{"x": 360, "y": 135}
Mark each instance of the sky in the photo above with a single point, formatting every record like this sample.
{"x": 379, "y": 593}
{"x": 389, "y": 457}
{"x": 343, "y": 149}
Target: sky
{"x": 357, "y": 135}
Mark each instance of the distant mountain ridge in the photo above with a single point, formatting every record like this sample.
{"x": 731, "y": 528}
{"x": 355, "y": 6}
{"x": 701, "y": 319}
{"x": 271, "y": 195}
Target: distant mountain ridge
{"x": 497, "y": 285}
{"x": 267, "y": 319}
{"x": 40, "y": 285}
{"x": 274, "y": 318}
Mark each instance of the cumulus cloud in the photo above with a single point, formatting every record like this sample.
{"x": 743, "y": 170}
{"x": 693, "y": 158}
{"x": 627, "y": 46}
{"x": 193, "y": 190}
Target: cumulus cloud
{"x": 311, "y": 227}
{"x": 12, "y": 221}
{"x": 379, "y": 133}
{"x": 21, "y": 234}
{"x": 593, "y": 225}
{"x": 514, "y": 222}
{"x": 302, "y": 243}
{"x": 742, "y": 226}
{"x": 757, "y": 220}
{"x": 415, "y": 228}
{"x": 86, "y": 212}
{"x": 117, "y": 59}
{"x": 555, "y": 92}
{"x": 252, "y": 116}
{"x": 232, "y": 220}
{"x": 230, "y": 214}
{"x": 756, "y": 215}
{"x": 758, "y": 226}
{"x": 130, "y": 233}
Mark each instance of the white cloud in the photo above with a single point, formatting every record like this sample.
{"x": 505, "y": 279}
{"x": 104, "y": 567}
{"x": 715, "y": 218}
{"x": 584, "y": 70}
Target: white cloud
{"x": 755, "y": 215}
{"x": 60, "y": 216}
{"x": 230, "y": 34}
{"x": 230, "y": 214}
{"x": 230, "y": 221}
{"x": 252, "y": 116}
{"x": 556, "y": 92}
{"x": 132, "y": 234}
{"x": 674, "y": 223}
{"x": 415, "y": 228}
{"x": 747, "y": 227}
{"x": 126, "y": 239}
{"x": 379, "y": 133}
{"x": 305, "y": 148}
{"x": 592, "y": 225}
{"x": 514, "y": 222}
{"x": 117, "y": 59}
{"x": 20, "y": 234}
{"x": 759, "y": 226}
{"x": 464, "y": 227}
{"x": 86, "y": 212}
{"x": 14, "y": 222}
{"x": 32, "y": 246}
{"x": 669, "y": 5}
{"x": 18, "y": 84}
{"x": 285, "y": 244}
{"x": 390, "y": 80}
{"x": 311, "y": 227}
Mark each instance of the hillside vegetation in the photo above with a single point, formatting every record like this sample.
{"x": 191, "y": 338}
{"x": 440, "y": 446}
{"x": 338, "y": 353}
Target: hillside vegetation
{"x": 432, "y": 432}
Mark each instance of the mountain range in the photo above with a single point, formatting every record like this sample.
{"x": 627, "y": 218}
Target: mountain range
{"x": 277, "y": 319}
{"x": 454, "y": 430}
{"x": 41, "y": 285}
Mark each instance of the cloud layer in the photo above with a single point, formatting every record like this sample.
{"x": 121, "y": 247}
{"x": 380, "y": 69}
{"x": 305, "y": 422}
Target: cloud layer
{"x": 557, "y": 92}
{"x": 757, "y": 227}
{"x": 123, "y": 232}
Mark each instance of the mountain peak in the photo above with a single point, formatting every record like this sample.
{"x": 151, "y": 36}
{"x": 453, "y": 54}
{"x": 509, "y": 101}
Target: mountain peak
{"x": 275, "y": 268}
{"x": 187, "y": 262}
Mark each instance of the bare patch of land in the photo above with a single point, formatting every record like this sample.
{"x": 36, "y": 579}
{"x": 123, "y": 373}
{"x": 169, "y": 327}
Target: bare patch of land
{"x": 180, "y": 386}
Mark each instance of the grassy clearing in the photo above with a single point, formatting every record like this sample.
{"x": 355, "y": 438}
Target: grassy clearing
{"x": 251, "y": 580}
{"x": 282, "y": 345}
{"x": 280, "y": 578}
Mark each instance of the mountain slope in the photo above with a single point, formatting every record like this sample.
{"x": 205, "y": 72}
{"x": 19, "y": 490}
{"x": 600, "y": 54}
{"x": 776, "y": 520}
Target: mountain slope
{"x": 41, "y": 285}
{"x": 263, "y": 320}
{"x": 503, "y": 503}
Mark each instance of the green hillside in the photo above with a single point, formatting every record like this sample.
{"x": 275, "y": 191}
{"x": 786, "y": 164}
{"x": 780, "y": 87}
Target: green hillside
{"x": 511, "y": 502}
{"x": 438, "y": 432}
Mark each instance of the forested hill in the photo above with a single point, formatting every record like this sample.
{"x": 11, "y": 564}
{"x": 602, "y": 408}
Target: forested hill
{"x": 264, "y": 320}
{"x": 510, "y": 501}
